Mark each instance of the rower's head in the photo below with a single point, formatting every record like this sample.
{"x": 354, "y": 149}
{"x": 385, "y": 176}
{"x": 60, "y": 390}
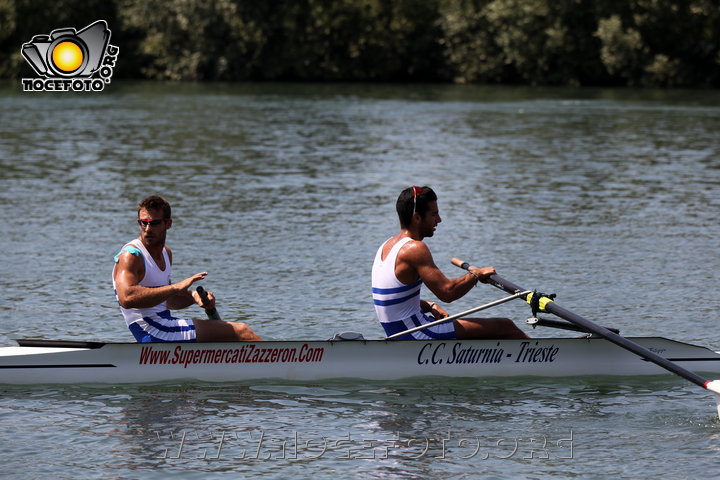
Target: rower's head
{"x": 154, "y": 219}
{"x": 418, "y": 204}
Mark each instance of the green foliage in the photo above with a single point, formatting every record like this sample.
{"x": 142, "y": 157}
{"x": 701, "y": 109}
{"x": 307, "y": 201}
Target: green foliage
{"x": 663, "y": 43}
{"x": 623, "y": 51}
{"x": 521, "y": 41}
{"x": 549, "y": 42}
{"x": 298, "y": 39}
{"x": 186, "y": 40}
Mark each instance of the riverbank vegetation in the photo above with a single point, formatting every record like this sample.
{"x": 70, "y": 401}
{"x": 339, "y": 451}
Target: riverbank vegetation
{"x": 654, "y": 43}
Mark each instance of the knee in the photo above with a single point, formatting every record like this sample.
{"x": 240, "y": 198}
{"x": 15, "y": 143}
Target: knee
{"x": 241, "y": 328}
{"x": 512, "y": 330}
{"x": 243, "y": 332}
{"x": 509, "y": 324}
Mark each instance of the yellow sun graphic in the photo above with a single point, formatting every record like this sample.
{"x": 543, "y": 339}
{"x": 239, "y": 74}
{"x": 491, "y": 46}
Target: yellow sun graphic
{"x": 67, "y": 56}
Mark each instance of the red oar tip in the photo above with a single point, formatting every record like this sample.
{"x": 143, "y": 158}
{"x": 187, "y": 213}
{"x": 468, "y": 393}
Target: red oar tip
{"x": 713, "y": 385}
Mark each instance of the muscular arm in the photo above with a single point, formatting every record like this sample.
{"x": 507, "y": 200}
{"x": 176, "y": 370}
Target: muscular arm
{"x": 182, "y": 299}
{"x": 128, "y": 273}
{"x": 415, "y": 260}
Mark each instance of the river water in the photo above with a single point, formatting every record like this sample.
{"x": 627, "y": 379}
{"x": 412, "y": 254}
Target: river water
{"x": 283, "y": 192}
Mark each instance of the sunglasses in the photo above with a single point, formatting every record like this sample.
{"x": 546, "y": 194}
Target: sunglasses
{"x": 152, "y": 223}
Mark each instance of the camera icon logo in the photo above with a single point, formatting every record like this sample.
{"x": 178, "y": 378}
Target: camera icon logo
{"x": 69, "y": 59}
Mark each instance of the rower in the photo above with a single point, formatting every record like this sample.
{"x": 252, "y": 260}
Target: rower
{"x": 141, "y": 279}
{"x": 404, "y": 263}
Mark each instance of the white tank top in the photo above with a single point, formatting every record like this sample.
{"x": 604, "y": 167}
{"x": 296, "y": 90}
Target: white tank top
{"x": 394, "y": 301}
{"x": 154, "y": 277}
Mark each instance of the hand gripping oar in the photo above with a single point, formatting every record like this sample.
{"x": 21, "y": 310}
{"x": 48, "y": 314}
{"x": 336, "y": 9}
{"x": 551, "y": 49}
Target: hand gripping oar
{"x": 546, "y": 304}
{"x": 461, "y": 314}
{"x": 212, "y": 313}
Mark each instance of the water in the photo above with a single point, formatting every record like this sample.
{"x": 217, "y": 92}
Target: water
{"x": 283, "y": 193}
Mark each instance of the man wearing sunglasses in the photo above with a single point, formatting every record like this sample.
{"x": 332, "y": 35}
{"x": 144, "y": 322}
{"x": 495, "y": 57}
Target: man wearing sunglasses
{"x": 404, "y": 263}
{"x": 146, "y": 294}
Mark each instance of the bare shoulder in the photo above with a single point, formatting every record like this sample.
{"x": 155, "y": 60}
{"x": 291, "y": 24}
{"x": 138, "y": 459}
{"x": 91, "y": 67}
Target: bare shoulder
{"x": 129, "y": 259}
{"x": 413, "y": 258}
{"x": 415, "y": 247}
{"x": 169, "y": 252}
{"x": 415, "y": 252}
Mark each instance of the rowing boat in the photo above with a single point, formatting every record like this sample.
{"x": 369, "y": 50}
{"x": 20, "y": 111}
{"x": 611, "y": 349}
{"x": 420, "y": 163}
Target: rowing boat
{"x": 601, "y": 351}
{"x": 50, "y": 362}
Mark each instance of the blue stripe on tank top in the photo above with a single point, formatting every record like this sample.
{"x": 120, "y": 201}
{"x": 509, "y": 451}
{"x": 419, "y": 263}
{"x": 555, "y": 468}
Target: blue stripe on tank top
{"x": 388, "y": 291}
{"x": 395, "y": 301}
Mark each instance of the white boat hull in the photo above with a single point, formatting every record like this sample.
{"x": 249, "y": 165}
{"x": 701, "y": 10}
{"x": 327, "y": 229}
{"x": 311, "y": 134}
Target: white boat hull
{"x": 116, "y": 363}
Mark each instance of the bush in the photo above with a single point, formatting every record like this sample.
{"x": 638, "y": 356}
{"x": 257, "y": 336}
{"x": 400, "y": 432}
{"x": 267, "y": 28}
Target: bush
{"x": 536, "y": 42}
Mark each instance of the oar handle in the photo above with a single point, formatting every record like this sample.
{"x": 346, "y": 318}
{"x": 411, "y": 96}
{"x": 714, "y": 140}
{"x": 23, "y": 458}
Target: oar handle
{"x": 495, "y": 280}
{"x": 460, "y": 263}
{"x": 212, "y": 313}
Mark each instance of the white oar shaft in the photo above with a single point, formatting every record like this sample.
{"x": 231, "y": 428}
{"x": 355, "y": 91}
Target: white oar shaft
{"x": 459, "y": 315}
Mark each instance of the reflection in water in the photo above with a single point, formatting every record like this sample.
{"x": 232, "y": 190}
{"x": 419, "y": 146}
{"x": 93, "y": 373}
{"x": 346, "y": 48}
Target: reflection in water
{"x": 407, "y": 426}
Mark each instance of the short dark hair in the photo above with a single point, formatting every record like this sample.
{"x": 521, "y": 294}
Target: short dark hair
{"x": 408, "y": 202}
{"x": 156, "y": 202}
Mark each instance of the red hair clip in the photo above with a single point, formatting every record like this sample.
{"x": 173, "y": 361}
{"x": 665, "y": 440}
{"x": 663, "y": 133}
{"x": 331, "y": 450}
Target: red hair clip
{"x": 416, "y": 191}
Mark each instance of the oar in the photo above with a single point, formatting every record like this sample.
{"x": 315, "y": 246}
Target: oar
{"x": 461, "y": 314}
{"x": 212, "y": 313}
{"x": 548, "y": 305}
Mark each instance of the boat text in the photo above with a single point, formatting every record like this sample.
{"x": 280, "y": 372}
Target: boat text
{"x": 185, "y": 356}
{"x": 441, "y": 353}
